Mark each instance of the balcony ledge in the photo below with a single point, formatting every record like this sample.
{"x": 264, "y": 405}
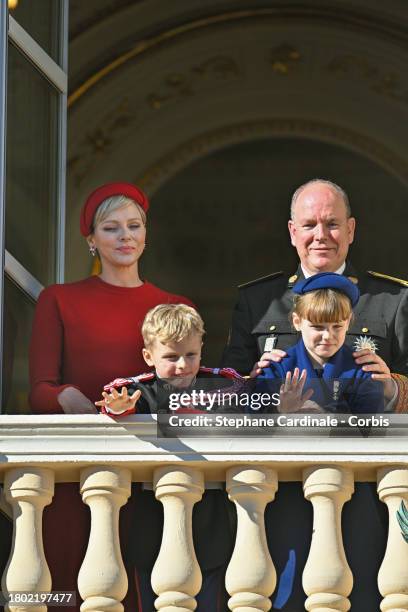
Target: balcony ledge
{"x": 67, "y": 443}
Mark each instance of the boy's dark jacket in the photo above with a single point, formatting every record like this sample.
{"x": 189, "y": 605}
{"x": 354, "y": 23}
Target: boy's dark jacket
{"x": 156, "y": 392}
{"x": 214, "y": 517}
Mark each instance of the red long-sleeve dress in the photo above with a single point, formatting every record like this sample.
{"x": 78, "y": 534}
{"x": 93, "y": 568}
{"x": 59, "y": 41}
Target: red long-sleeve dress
{"x": 84, "y": 334}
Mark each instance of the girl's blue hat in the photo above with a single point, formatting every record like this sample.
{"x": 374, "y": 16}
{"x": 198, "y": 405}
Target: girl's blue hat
{"x": 328, "y": 280}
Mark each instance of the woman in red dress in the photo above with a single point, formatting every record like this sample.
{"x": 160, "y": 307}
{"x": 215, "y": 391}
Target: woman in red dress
{"x": 84, "y": 333}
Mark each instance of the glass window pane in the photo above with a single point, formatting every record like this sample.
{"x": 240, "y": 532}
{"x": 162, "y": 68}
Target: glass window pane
{"x": 18, "y": 315}
{"x": 40, "y": 18}
{"x": 32, "y": 106}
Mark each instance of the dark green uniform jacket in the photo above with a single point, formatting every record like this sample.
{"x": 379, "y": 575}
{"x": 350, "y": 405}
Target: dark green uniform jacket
{"x": 260, "y": 319}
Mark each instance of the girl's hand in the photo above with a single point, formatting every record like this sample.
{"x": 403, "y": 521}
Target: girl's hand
{"x": 291, "y": 392}
{"x": 371, "y": 362}
{"x": 117, "y": 402}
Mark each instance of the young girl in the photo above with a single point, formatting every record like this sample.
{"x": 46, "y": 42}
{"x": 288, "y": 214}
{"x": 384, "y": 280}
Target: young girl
{"x": 319, "y": 372}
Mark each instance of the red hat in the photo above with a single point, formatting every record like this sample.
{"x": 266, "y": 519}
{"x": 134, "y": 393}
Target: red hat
{"x": 107, "y": 191}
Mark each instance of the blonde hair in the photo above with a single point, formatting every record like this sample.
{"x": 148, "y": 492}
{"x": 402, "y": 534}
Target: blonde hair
{"x": 114, "y": 203}
{"x": 323, "y": 306}
{"x": 171, "y": 323}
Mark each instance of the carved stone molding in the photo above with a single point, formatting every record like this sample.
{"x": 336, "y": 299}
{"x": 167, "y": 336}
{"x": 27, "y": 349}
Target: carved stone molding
{"x": 155, "y": 176}
{"x": 284, "y": 58}
{"x": 374, "y": 23}
{"x": 284, "y": 54}
{"x": 381, "y": 81}
{"x": 182, "y": 85}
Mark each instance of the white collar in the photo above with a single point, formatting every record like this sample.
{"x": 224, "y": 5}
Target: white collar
{"x": 307, "y": 274}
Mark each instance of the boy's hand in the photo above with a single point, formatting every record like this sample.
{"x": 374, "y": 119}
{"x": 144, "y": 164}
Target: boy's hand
{"x": 291, "y": 398}
{"x": 117, "y": 403}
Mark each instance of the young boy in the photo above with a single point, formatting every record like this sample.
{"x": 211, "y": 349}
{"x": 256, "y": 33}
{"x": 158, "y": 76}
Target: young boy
{"x": 172, "y": 335}
{"x": 320, "y": 363}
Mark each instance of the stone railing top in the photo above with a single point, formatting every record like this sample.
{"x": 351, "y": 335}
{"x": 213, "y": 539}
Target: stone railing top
{"x": 67, "y": 443}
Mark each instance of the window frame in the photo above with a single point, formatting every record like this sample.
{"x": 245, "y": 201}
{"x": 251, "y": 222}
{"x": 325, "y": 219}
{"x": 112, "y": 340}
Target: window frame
{"x": 3, "y": 109}
{"x": 57, "y": 75}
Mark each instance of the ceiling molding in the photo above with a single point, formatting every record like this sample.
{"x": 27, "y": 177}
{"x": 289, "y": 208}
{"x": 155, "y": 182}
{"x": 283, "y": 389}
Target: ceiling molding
{"x": 329, "y": 16}
{"x": 215, "y": 140}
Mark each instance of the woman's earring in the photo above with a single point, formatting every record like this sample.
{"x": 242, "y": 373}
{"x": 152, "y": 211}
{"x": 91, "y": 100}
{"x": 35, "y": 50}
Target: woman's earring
{"x": 92, "y": 250}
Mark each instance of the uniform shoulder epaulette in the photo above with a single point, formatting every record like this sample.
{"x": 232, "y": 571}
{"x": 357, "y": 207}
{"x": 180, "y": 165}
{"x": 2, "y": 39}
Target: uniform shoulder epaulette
{"x": 260, "y": 280}
{"x": 118, "y": 383}
{"x": 224, "y": 372}
{"x": 205, "y": 370}
{"x": 393, "y": 279}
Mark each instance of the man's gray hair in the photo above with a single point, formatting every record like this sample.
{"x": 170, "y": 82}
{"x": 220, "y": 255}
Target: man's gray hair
{"x": 330, "y": 184}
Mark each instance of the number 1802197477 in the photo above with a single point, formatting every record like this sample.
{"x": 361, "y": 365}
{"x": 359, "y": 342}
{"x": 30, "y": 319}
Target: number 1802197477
{"x": 54, "y": 598}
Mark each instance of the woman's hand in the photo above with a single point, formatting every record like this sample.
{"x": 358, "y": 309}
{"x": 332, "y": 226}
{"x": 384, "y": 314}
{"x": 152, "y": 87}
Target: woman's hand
{"x": 72, "y": 401}
{"x": 291, "y": 394}
{"x": 119, "y": 402}
{"x": 276, "y": 355}
{"x": 371, "y": 362}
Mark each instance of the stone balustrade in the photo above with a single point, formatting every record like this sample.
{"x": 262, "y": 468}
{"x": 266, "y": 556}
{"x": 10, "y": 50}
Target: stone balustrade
{"x": 105, "y": 456}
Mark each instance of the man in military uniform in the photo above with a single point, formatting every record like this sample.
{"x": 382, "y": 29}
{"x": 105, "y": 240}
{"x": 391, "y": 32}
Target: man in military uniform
{"x": 321, "y": 229}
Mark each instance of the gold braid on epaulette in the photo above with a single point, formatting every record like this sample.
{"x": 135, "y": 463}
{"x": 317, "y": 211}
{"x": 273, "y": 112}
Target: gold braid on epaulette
{"x": 394, "y": 279}
{"x": 402, "y": 401}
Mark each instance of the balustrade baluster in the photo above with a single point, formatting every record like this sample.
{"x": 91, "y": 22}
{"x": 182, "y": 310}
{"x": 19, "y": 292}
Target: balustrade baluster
{"x": 176, "y": 576}
{"x": 327, "y": 578}
{"x": 393, "y": 574}
{"x": 28, "y": 490}
{"x": 251, "y": 575}
{"x": 102, "y": 579}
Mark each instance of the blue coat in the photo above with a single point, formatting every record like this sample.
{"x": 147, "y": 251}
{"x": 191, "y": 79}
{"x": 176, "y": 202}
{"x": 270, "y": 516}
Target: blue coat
{"x": 343, "y": 387}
